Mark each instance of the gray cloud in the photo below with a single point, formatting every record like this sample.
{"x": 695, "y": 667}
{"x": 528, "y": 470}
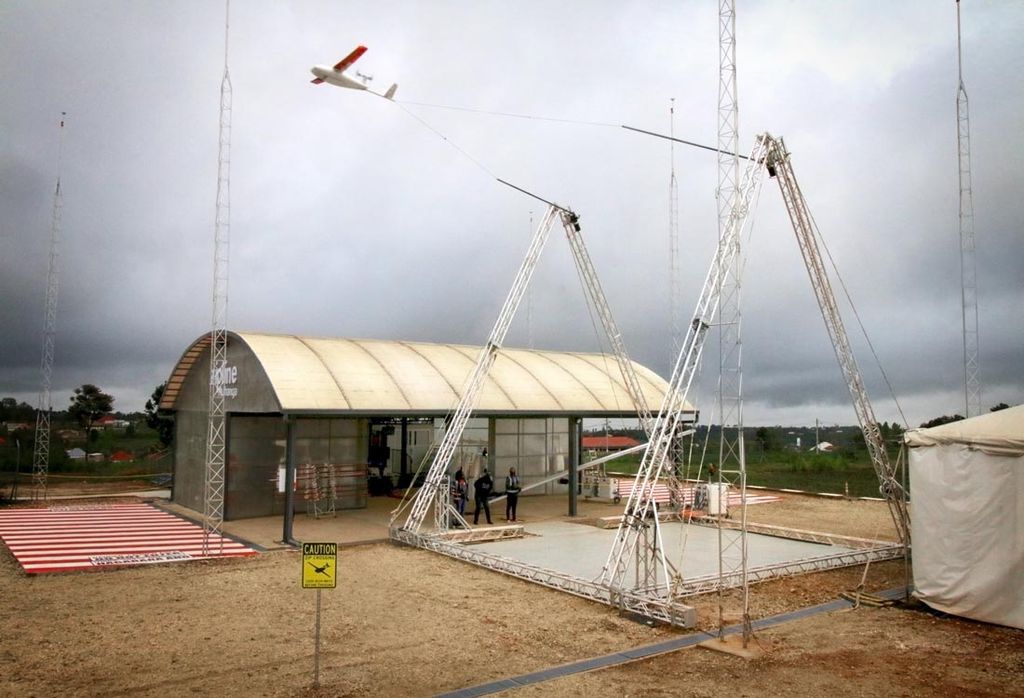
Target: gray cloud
{"x": 350, "y": 218}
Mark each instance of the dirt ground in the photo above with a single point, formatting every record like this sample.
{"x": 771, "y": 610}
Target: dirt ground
{"x": 406, "y": 622}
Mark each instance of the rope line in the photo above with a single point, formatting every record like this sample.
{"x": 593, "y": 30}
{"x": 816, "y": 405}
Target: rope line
{"x": 863, "y": 330}
{"x": 511, "y": 115}
{"x": 449, "y": 141}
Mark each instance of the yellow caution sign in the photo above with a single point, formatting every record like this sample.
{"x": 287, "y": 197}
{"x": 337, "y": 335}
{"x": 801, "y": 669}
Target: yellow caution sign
{"x": 319, "y": 565}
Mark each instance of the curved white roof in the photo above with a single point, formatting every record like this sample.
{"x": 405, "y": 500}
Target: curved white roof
{"x": 311, "y": 374}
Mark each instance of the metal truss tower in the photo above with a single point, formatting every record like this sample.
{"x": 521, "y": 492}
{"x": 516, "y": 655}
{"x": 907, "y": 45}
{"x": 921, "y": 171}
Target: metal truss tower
{"x": 433, "y": 484}
{"x": 732, "y": 543}
{"x": 41, "y": 450}
{"x": 639, "y": 576}
{"x": 968, "y": 267}
{"x": 213, "y": 509}
{"x": 653, "y": 576}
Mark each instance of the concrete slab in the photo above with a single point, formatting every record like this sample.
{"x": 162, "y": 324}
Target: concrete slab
{"x": 582, "y": 551}
{"x": 370, "y": 525}
{"x": 346, "y": 527}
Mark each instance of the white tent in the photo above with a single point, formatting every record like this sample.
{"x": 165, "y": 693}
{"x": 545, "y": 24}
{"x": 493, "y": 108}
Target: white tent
{"x": 967, "y": 516}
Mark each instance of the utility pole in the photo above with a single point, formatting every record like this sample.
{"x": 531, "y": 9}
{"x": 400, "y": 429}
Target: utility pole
{"x": 968, "y": 267}
{"x": 44, "y": 410}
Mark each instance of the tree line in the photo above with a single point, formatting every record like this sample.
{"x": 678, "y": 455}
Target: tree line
{"x": 89, "y": 404}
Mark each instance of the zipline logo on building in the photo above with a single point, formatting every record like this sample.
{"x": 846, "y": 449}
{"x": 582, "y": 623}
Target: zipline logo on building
{"x": 319, "y": 565}
{"x": 224, "y": 379}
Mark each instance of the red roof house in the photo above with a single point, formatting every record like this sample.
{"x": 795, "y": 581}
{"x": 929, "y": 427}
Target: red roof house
{"x": 608, "y": 443}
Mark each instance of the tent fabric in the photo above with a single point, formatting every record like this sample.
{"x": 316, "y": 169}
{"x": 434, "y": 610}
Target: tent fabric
{"x": 967, "y": 519}
{"x": 997, "y": 433}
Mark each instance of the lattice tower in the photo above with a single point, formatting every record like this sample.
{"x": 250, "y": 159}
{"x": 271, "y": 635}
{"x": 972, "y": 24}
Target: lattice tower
{"x": 41, "y": 449}
{"x": 968, "y": 267}
{"x": 673, "y": 243}
{"x": 732, "y": 543}
{"x": 213, "y": 510}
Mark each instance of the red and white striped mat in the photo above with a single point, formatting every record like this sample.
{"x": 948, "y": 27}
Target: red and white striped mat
{"x": 66, "y": 538}
{"x": 661, "y": 494}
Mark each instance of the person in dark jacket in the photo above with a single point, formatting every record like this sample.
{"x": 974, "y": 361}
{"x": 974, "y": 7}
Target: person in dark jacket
{"x": 512, "y": 489}
{"x": 482, "y": 488}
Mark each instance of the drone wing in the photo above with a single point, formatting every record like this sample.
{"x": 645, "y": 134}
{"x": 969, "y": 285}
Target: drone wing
{"x": 351, "y": 58}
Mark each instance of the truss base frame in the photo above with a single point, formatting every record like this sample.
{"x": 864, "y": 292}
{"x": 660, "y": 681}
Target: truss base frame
{"x": 671, "y": 612}
{"x": 654, "y": 603}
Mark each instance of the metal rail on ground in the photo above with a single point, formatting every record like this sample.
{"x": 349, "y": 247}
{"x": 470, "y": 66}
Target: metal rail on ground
{"x": 652, "y": 650}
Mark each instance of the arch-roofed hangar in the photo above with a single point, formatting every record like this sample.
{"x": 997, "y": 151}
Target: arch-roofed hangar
{"x": 371, "y": 409}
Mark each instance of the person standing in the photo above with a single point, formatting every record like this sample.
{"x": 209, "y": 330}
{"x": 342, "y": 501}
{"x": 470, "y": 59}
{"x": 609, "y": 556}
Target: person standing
{"x": 482, "y": 488}
{"x": 512, "y": 490}
{"x": 460, "y": 491}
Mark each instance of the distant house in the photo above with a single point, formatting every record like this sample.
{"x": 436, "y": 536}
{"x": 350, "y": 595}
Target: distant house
{"x": 823, "y": 447}
{"x": 109, "y": 421}
{"x": 121, "y": 457}
{"x": 75, "y": 454}
{"x": 95, "y": 457}
{"x": 608, "y": 443}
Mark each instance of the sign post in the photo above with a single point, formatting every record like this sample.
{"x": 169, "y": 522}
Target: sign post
{"x": 319, "y": 571}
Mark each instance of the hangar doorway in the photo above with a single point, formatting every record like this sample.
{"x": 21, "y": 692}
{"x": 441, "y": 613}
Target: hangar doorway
{"x": 329, "y": 464}
{"x": 397, "y": 445}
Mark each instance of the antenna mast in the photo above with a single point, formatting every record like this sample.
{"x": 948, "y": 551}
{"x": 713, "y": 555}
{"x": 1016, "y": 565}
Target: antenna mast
{"x": 968, "y": 267}
{"x": 732, "y": 544}
{"x": 41, "y": 453}
{"x": 673, "y": 242}
{"x": 529, "y": 305}
{"x": 213, "y": 511}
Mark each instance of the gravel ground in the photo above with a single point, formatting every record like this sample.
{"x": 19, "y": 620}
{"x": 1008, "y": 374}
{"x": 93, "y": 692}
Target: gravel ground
{"x": 406, "y": 622}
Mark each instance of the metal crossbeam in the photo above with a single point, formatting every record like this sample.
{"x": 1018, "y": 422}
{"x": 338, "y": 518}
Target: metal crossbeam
{"x": 715, "y": 582}
{"x": 790, "y": 533}
{"x": 481, "y": 535}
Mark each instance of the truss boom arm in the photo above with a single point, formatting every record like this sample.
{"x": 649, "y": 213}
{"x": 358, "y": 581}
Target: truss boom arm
{"x": 475, "y": 382}
{"x": 640, "y": 507}
{"x": 570, "y": 221}
{"x": 780, "y": 167}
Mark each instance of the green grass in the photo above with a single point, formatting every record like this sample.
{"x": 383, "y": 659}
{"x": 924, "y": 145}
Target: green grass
{"x": 140, "y": 443}
{"x": 832, "y": 473}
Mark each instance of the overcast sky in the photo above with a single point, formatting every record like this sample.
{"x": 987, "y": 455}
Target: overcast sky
{"x": 351, "y": 218}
